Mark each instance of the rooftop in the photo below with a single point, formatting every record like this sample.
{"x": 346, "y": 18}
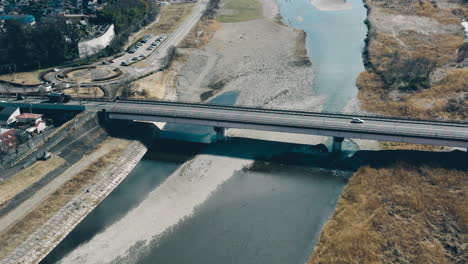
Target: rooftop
{"x": 29, "y": 116}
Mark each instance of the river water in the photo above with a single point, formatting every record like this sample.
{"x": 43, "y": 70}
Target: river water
{"x": 214, "y": 205}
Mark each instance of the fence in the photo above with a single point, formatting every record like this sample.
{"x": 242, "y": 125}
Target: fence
{"x": 78, "y": 120}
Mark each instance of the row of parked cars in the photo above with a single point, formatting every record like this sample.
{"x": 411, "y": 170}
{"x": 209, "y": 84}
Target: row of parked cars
{"x": 144, "y": 40}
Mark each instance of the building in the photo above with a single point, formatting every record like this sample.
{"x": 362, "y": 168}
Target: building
{"x": 7, "y": 139}
{"x": 25, "y": 19}
{"x": 31, "y": 123}
{"x": 29, "y": 119}
{"x": 8, "y": 115}
{"x": 37, "y": 128}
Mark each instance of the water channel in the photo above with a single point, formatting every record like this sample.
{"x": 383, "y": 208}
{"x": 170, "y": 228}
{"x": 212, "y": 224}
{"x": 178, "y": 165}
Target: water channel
{"x": 174, "y": 208}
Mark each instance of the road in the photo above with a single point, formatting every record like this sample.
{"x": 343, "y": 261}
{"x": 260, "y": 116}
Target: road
{"x": 406, "y": 130}
{"x": 153, "y": 59}
{"x": 27, "y": 206}
{"x": 432, "y": 132}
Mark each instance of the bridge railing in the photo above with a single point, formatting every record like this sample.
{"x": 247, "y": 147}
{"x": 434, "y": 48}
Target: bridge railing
{"x": 265, "y": 109}
{"x": 290, "y": 111}
{"x": 302, "y": 122}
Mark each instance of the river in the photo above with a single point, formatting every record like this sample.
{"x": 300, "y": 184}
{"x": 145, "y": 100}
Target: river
{"x": 192, "y": 203}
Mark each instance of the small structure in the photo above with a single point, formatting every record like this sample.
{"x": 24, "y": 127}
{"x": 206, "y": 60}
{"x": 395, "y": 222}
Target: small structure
{"x": 37, "y": 128}
{"x": 7, "y": 139}
{"x": 28, "y": 118}
{"x": 8, "y": 115}
{"x": 25, "y": 19}
{"x": 32, "y": 123}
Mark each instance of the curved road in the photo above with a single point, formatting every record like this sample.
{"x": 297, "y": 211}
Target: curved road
{"x": 154, "y": 59}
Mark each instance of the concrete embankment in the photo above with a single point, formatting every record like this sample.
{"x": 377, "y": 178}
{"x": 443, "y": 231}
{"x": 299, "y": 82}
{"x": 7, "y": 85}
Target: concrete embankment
{"x": 41, "y": 242}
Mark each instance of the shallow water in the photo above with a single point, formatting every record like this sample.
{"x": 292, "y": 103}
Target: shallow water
{"x": 335, "y": 40}
{"x": 271, "y": 215}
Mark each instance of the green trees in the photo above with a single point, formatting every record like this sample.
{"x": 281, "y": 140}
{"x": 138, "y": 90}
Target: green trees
{"x": 50, "y": 42}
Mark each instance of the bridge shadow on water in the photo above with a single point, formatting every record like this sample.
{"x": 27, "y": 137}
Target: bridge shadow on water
{"x": 183, "y": 148}
{"x": 166, "y": 155}
{"x": 268, "y": 152}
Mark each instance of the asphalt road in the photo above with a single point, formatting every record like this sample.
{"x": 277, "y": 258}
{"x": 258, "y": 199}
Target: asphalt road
{"x": 153, "y": 57}
{"x": 295, "y": 122}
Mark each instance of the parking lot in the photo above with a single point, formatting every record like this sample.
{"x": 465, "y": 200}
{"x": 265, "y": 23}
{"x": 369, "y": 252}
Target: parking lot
{"x": 141, "y": 50}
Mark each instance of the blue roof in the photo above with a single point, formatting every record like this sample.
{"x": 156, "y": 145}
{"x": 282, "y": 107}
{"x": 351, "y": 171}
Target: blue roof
{"x": 26, "y": 19}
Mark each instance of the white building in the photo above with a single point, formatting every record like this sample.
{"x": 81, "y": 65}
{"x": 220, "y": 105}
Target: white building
{"x": 8, "y": 115}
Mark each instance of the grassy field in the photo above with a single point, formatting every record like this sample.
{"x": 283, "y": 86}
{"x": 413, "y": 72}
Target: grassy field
{"x": 45, "y": 210}
{"x": 232, "y": 11}
{"x": 155, "y": 85}
{"x": 404, "y": 214}
{"x": 384, "y": 87}
{"x": 23, "y": 77}
{"x": 86, "y": 92}
{"x": 25, "y": 178}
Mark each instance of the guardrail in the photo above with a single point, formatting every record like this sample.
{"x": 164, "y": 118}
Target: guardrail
{"x": 296, "y": 123}
{"x": 279, "y": 110}
{"x": 50, "y": 137}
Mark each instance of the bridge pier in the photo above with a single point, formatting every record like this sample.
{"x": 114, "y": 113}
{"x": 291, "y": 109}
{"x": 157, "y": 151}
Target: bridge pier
{"x": 220, "y": 133}
{"x": 337, "y": 142}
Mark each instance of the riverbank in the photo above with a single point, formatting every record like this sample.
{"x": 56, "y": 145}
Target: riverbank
{"x": 71, "y": 202}
{"x": 406, "y": 212}
{"x": 252, "y": 62}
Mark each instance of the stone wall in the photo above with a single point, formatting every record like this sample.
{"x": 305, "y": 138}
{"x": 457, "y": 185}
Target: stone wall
{"x": 93, "y": 46}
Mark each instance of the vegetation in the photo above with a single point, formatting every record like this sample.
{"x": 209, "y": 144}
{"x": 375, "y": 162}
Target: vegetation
{"x": 412, "y": 74}
{"x": 211, "y": 8}
{"x": 167, "y": 60}
{"x": 128, "y": 16}
{"x": 240, "y": 10}
{"x": 404, "y": 214}
{"x": 26, "y": 177}
{"x": 48, "y": 43}
{"x": 53, "y": 42}
{"x": 21, "y": 230}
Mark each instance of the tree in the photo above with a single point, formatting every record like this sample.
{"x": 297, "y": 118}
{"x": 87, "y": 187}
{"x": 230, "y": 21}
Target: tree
{"x": 167, "y": 60}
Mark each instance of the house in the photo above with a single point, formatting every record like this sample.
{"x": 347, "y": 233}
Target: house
{"x": 32, "y": 123}
{"x": 7, "y": 139}
{"x": 29, "y": 119}
{"x": 37, "y": 128}
{"x": 8, "y": 115}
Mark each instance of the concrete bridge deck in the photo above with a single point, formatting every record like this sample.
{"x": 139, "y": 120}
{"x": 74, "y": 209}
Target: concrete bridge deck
{"x": 432, "y": 132}
{"x": 445, "y": 133}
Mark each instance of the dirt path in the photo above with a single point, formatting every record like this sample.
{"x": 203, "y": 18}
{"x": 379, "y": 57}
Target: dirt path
{"x": 27, "y": 206}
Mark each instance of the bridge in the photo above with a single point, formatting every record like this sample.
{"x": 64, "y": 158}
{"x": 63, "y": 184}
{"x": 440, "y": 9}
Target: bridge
{"x": 338, "y": 126}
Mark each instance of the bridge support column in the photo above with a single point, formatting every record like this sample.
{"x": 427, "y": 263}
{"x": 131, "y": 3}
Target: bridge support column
{"x": 220, "y": 133}
{"x": 336, "y": 147}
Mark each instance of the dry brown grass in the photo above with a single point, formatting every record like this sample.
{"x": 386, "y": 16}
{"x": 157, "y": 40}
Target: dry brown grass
{"x": 427, "y": 8}
{"x": 87, "y": 92}
{"x": 155, "y": 85}
{"x": 25, "y": 178}
{"x": 201, "y": 34}
{"x": 427, "y": 103}
{"x": 31, "y": 78}
{"x": 398, "y": 215}
{"x": 45, "y": 210}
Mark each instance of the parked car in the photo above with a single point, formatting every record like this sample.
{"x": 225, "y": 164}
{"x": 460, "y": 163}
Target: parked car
{"x": 110, "y": 61}
{"x": 142, "y": 56}
{"x": 135, "y": 58}
{"x": 356, "y": 120}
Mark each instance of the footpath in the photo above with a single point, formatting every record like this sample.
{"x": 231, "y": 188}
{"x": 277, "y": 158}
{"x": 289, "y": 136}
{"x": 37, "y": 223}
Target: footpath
{"x": 45, "y": 239}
